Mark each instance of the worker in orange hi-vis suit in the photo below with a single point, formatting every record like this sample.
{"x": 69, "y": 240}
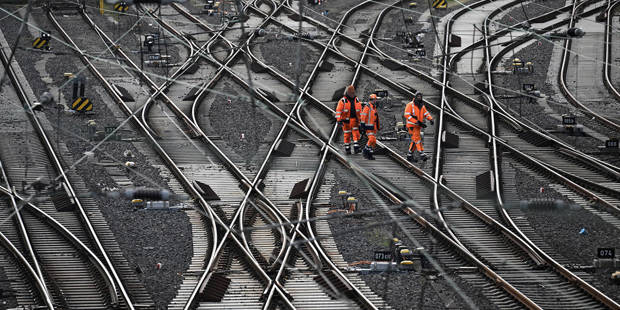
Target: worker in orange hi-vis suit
{"x": 370, "y": 125}
{"x": 348, "y": 116}
{"x": 416, "y": 113}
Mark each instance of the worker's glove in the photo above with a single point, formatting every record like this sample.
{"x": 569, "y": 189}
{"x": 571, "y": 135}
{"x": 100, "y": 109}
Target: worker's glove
{"x": 432, "y": 123}
{"x": 422, "y": 124}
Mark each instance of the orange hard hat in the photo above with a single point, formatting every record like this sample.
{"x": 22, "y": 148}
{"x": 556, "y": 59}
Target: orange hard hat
{"x": 373, "y": 96}
{"x": 350, "y": 91}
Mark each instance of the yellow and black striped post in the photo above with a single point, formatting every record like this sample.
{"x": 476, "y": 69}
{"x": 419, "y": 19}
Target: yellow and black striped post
{"x": 41, "y": 42}
{"x": 82, "y": 104}
{"x": 440, "y": 4}
{"x": 121, "y": 6}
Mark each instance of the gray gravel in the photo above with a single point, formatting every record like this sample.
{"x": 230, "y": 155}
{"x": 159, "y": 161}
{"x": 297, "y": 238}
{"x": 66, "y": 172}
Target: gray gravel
{"x": 393, "y": 23}
{"x": 146, "y": 238}
{"x": 560, "y": 230}
{"x": 404, "y": 290}
{"x": 281, "y": 53}
{"x": 231, "y": 119}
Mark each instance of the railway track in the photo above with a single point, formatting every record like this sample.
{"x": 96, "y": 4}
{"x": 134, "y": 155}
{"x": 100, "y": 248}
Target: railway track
{"x": 233, "y": 237}
{"x": 611, "y": 7}
{"x": 242, "y": 215}
{"x": 493, "y": 155}
{"x": 564, "y": 161}
{"x": 324, "y": 155}
{"x": 613, "y": 125}
{"x": 68, "y": 273}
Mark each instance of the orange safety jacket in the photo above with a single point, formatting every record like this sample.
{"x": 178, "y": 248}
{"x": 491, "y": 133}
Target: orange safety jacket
{"x": 370, "y": 117}
{"x": 413, "y": 114}
{"x": 344, "y": 112}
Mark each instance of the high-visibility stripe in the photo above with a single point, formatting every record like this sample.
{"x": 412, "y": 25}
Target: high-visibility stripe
{"x": 370, "y": 134}
{"x": 76, "y": 102}
{"x": 355, "y": 128}
{"x": 407, "y": 113}
{"x": 347, "y": 131}
{"x": 84, "y": 103}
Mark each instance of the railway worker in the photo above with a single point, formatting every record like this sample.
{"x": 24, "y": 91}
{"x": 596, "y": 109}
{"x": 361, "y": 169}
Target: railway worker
{"x": 370, "y": 125}
{"x": 416, "y": 114}
{"x": 348, "y": 115}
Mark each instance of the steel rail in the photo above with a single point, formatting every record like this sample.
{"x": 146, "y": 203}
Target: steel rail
{"x": 563, "y": 73}
{"x": 251, "y": 185}
{"x": 320, "y": 171}
{"x": 188, "y": 185}
{"x": 421, "y": 173}
{"x": 493, "y": 153}
{"x": 25, "y": 238}
{"x": 438, "y": 164}
{"x": 34, "y": 272}
{"x": 612, "y": 5}
{"x": 192, "y": 60}
{"x": 494, "y": 156}
{"x": 287, "y": 116}
{"x": 234, "y": 169}
{"x": 471, "y": 208}
{"x": 565, "y": 177}
{"x": 175, "y": 169}
{"x": 556, "y": 174}
{"x": 110, "y": 276}
{"x": 505, "y": 115}
{"x": 269, "y": 206}
{"x": 436, "y": 83}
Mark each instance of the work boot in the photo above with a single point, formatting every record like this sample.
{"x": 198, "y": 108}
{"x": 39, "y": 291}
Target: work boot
{"x": 410, "y": 156}
{"x": 423, "y": 156}
{"x": 370, "y": 156}
{"x": 356, "y": 148}
{"x": 365, "y": 152}
{"x": 347, "y": 149}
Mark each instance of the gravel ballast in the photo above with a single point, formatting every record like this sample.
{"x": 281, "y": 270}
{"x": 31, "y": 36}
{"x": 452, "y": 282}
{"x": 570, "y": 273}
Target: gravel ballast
{"x": 243, "y": 126}
{"x": 404, "y": 290}
{"x": 560, "y": 228}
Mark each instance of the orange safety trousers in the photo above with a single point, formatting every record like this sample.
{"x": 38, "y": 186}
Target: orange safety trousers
{"x": 351, "y": 127}
{"x": 372, "y": 138}
{"x": 416, "y": 139}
